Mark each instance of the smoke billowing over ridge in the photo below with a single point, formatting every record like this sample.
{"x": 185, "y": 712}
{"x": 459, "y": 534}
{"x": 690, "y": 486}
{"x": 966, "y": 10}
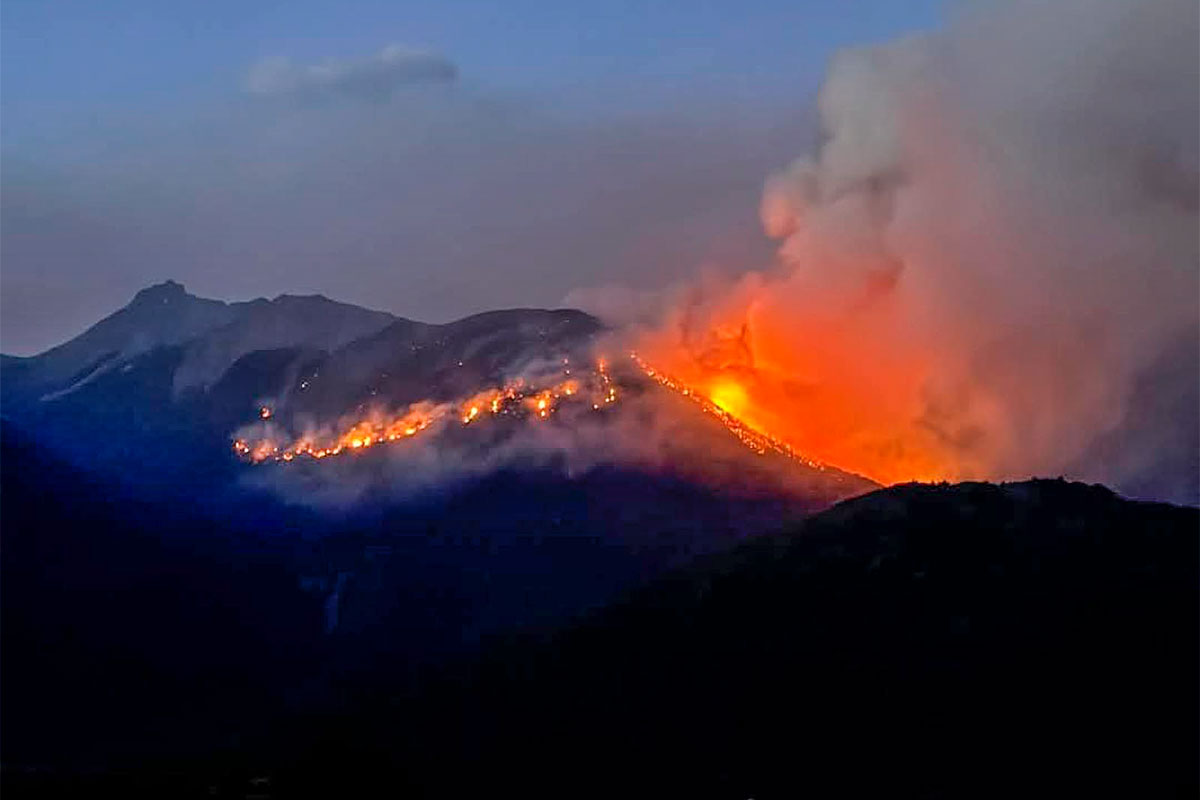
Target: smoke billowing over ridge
{"x": 993, "y": 245}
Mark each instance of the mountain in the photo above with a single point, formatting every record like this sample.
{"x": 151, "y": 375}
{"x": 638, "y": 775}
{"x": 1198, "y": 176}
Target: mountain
{"x": 971, "y": 640}
{"x": 153, "y": 394}
{"x": 408, "y": 362}
{"x": 158, "y": 316}
{"x": 212, "y": 333}
{"x": 162, "y": 598}
{"x": 622, "y": 601}
{"x": 511, "y": 524}
{"x": 919, "y": 641}
{"x": 289, "y": 321}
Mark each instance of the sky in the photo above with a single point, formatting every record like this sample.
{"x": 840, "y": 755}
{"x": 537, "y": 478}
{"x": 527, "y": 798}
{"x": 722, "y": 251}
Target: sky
{"x": 430, "y": 159}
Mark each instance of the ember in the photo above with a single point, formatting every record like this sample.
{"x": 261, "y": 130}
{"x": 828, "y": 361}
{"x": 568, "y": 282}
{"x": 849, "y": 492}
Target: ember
{"x": 514, "y": 399}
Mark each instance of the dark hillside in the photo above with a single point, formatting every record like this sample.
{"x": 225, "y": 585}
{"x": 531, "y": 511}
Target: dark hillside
{"x": 924, "y": 641}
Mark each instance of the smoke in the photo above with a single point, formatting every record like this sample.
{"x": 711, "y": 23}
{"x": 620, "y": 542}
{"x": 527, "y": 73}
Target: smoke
{"x": 995, "y": 242}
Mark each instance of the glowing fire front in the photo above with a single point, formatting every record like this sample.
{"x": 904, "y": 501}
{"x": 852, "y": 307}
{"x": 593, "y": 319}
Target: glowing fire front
{"x": 516, "y": 399}
{"x": 723, "y": 403}
{"x": 519, "y": 400}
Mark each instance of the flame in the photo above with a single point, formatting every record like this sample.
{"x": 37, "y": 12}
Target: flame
{"x": 726, "y": 399}
{"x": 753, "y": 438}
{"x": 512, "y": 399}
{"x": 728, "y": 395}
{"x": 817, "y": 392}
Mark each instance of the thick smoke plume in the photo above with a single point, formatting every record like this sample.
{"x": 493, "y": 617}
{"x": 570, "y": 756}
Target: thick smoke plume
{"x": 984, "y": 265}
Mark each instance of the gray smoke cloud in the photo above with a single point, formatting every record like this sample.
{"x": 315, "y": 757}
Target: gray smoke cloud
{"x": 983, "y": 265}
{"x": 374, "y": 78}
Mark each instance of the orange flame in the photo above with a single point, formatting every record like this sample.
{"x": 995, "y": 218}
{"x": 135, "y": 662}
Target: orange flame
{"x": 512, "y": 399}
{"x": 754, "y": 439}
{"x": 855, "y": 418}
{"x": 725, "y": 398}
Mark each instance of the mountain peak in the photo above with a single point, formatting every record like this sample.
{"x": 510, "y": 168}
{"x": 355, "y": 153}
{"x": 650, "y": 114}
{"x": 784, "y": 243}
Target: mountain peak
{"x": 164, "y": 293}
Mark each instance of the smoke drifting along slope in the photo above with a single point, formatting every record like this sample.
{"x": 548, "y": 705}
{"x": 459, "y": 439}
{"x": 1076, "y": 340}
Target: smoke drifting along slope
{"x": 995, "y": 241}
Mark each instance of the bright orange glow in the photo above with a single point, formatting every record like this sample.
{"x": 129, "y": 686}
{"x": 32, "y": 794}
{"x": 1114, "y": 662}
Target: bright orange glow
{"x": 753, "y": 438}
{"x": 838, "y": 395}
{"x": 728, "y": 396}
{"x": 735, "y": 399}
{"x": 512, "y": 399}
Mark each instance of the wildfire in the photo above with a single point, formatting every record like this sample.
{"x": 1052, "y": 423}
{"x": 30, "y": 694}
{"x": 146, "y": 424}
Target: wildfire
{"x": 725, "y": 400}
{"x": 514, "y": 399}
{"x": 882, "y": 418}
{"x": 728, "y": 396}
{"x": 722, "y": 402}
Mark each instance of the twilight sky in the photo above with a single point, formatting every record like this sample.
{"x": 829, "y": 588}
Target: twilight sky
{"x": 431, "y": 159}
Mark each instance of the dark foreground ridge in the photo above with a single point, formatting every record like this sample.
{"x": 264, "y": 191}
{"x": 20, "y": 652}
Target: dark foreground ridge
{"x": 931, "y": 641}
{"x": 920, "y": 641}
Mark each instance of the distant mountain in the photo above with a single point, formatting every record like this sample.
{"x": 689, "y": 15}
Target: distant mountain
{"x": 159, "y": 316}
{"x": 213, "y": 335}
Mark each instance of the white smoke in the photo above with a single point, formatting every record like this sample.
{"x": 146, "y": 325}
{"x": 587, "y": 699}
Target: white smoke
{"x": 1004, "y": 211}
{"x": 989, "y": 268}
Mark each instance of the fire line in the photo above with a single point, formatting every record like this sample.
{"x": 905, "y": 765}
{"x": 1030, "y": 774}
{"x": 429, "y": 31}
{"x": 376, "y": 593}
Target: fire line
{"x": 514, "y": 399}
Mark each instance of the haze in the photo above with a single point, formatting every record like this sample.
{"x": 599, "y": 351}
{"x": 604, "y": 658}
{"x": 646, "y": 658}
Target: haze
{"x": 429, "y": 160}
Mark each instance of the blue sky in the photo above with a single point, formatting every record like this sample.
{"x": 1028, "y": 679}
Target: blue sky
{"x": 582, "y": 144}
{"x": 80, "y": 56}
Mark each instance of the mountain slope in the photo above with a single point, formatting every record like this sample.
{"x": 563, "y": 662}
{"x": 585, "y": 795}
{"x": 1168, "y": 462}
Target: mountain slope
{"x": 133, "y": 629}
{"x": 314, "y": 323}
{"x": 920, "y": 641}
{"x": 142, "y": 628}
{"x": 408, "y": 362}
{"x": 158, "y": 316}
{"x": 175, "y": 377}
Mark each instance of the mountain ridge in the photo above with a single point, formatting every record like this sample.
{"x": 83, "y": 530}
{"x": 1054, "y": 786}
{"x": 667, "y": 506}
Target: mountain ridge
{"x": 922, "y": 640}
{"x": 162, "y": 406}
{"x": 166, "y": 314}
